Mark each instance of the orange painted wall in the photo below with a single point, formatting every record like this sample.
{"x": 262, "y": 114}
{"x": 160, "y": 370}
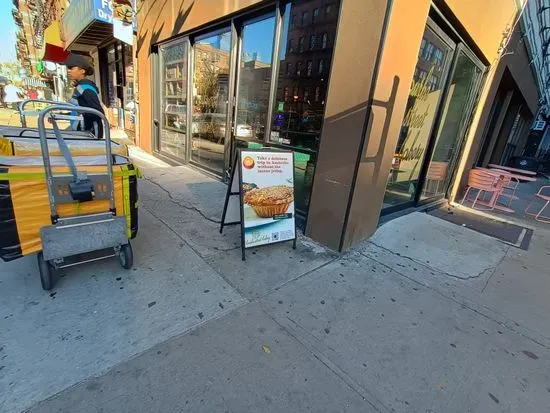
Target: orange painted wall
{"x": 160, "y": 20}
{"x": 485, "y": 21}
{"x": 398, "y": 62}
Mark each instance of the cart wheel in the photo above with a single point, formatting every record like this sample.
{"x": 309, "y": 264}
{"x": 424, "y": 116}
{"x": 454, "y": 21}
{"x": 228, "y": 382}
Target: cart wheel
{"x": 126, "y": 256}
{"x": 46, "y": 273}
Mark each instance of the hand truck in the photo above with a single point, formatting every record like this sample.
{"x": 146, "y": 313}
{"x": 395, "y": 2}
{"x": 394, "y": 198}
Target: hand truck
{"x": 71, "y": 236}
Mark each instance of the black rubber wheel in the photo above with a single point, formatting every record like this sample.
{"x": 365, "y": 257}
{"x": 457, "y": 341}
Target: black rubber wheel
{"x": 126, "y": 256}
{"x": 46, "y": 273}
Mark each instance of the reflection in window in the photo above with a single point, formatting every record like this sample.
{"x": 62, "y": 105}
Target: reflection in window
{"x": 321, "y": 66}
{"x": 324, "y": 41}
{"x": 422, "y": 47}
{"x": 458, "y": 108}
{"x": 210, "y": 94}
{"x": 315, "y": 15}
{"x": 288, "y": 68}
{"x": 312, "y": 40}
{"x": 290, "y": 46}
{"x": 416, "y": 129}
{"x": 253, "y": 87}
{"x": 422, "y": 75}
{"x": 438, "y": 57}
{"x": 304, "y": 18}
{"x": 174, "y": 99}
{"x": 299, "y": 69}
{"x": 429, "y": 52}
{"x": 433, "y": 83}
{"x": 297, "y": 119}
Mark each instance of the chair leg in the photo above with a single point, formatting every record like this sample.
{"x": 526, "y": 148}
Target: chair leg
{"x": 537, "y": 217}
{"x": 466, "y": 194}
{"x": 529, "y": 206}
{"x": 476, "y": 199}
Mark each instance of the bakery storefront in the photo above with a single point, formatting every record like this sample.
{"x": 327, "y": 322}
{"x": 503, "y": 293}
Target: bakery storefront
{"x": 378, "y": 99}
{"x": 257, "y": 79}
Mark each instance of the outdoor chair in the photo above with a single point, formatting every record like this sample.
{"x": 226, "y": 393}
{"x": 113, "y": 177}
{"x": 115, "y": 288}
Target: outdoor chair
{"x": 509, "y": 183}
{"x": 437, "y": 173}
{"x": 485, "y": 183}
{"x": 546, "y": 199}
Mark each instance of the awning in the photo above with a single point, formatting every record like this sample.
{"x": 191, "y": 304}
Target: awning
{"x": 88, "y": 22}
{"x": 30, "y": 81}
{"x": 54, "y": 50}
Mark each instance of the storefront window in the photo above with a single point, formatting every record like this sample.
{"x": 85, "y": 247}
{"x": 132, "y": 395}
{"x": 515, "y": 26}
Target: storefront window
{"x": 174, "y": 99}
{"x": 254, "y": 79}
{"x": 297, "y": 119}
{"x": 456, "y": 115}
{"x": 424, "y": 98}
{"x": 210, "y": 100}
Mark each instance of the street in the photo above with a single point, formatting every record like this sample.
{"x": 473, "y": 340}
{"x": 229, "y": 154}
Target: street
{"x": 194, "y": 329}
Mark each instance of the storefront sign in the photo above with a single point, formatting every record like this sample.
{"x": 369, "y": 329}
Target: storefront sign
{"x": 260, "y": 198}
{"x": 123, "y": 17}
{"x": 81, "y": 13}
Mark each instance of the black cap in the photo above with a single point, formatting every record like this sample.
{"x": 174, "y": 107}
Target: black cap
{"x": 76, "y": 60}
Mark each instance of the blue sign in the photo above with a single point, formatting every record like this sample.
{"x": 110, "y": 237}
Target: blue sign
{"x": 279, "y": 119}
{"x": 81, "y": 13}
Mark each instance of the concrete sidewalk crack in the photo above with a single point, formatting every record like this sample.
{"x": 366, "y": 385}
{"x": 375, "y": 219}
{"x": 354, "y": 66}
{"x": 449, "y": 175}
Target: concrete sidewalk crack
{"x": 179, "y": 203}
{"x": 470, "y": 277}
{"x": 494, "y": 271}
{"x": 469, "y": 305}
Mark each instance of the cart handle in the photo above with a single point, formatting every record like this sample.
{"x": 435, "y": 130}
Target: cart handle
{"x": 23, "y": 113}
{"x": 47, "y": 113}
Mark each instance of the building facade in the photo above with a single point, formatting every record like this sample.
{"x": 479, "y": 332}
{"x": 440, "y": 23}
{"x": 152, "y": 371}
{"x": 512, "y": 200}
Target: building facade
{"x": 386, "y": 104}
{"x": 88, "y": 27}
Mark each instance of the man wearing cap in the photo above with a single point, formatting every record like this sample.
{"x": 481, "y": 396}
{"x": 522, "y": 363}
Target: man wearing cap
{"x": 86, "y": 93}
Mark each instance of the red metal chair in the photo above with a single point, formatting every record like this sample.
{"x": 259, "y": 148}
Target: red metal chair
{"x": 509, "y": 183}
{"x": 485, "y": 182}
{"x": 546, "y": 199}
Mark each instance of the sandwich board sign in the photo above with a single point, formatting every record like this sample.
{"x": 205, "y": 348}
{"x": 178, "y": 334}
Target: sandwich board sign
{"x": 260, "y": 197}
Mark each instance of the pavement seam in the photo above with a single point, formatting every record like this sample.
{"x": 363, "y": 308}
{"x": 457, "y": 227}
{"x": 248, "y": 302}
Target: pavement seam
{"x": 471, "y": 277}
{"x": 285, "y": 283}
{"x": 303, "y": 338}
{"x": 197, "y": 253}
{"x": 541, "y": 340}
{"x": 179, "y": 203}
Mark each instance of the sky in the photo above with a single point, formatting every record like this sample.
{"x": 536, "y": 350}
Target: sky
{"x": 258, "y": 38}
{"x": 7, "y": 32}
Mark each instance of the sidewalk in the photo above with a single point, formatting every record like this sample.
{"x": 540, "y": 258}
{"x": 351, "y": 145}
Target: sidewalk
{"x": 426, "y": 316}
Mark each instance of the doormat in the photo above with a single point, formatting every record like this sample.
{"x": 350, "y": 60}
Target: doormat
{"x": 511, "y": 234}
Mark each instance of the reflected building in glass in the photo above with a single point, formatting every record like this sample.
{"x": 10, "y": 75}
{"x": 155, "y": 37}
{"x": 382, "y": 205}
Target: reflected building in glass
{"x": 305, "y": 57}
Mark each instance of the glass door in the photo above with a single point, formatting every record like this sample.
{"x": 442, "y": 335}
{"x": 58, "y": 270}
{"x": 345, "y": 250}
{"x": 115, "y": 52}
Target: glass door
{"x": 173, "y": 99}
{"x": 461, "y": 94}
{"x": 428, "y": 85}
{"x": 253, "y": 82}
{"x": 211, "y": 79}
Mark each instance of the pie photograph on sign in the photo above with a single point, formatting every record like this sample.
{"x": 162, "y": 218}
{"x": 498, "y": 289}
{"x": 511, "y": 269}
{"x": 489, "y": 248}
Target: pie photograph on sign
{"x": 267, "y": 190}
{"x": 271, "y": 201}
